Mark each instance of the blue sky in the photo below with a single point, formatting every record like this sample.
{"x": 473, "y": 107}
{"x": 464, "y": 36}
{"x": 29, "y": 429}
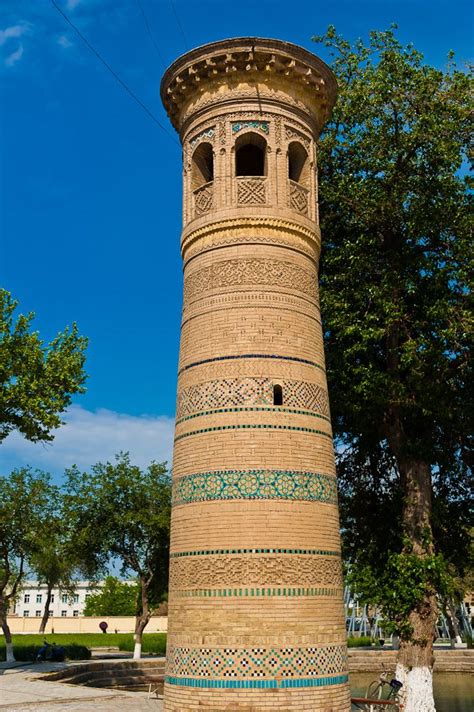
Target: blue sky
{"x": 90, "y": 195}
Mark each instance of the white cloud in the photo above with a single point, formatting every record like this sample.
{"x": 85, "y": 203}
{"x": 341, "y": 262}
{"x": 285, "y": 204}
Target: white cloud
{"x": 12, "y": 31}
{"x": 14, "y": 57}
{"x": 72, "y": 4}
{"x": 89, "y": 437}
{"x": 64, "y": 41}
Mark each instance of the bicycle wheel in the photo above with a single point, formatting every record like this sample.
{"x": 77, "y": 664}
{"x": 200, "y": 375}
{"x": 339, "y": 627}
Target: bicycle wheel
{"x": 374, "y": 690}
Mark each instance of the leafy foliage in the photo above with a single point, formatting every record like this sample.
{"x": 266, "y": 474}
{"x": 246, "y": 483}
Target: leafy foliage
{"x": 26, "y": 504}
{"x": 396, "y": 298}
{"x": 122, "y": 512}
{"x": 114, "y": 598}
{"x": 36, "y": 380}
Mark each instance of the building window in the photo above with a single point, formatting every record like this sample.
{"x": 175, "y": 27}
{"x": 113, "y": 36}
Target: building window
{"x": 38, "y": 614}
{"x": 64, "y": 598}
{"x": 203, "y": 165}
{"x": 26, "y": 614}
{"x": 76, "y": 598}
{"x": 52, "y": 598}
{"x": 250, "y": 155}
{"x": 75, "y": 614}
{"x": 63, "y": 614}
{"x": 298, "y": 164}
{"x": 26, "y": 598}
{"x": 277, "y": 394}
{"x": 39, "y": 598}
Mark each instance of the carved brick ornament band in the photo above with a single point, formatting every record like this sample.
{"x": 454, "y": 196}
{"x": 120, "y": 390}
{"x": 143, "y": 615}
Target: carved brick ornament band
{"x": 267, "y": 663}
{"x": 211, "y": 571}
{"x": 255, "y": 484}
{"x": 227, "y": 392}
{"x": 247, "y": 272}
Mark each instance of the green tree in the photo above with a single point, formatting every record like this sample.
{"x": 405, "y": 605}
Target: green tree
{"x": 397, "y": 302}
{"x": 54, "y": 559}
{"x": 114, "y": 598}
{"x": 36, "y": 380}
{"x": 26, "y": 499}
{"x": 122, "y": 512}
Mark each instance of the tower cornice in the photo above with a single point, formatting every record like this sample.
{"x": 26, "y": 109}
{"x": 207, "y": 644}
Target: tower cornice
{"x": 251, "y": 60}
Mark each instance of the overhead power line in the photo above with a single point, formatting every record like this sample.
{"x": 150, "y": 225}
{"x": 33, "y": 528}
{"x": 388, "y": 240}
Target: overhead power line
{"x": 150, "y": 33}
{"x": 115, "y": 75}
{"x": 186, "y": 46}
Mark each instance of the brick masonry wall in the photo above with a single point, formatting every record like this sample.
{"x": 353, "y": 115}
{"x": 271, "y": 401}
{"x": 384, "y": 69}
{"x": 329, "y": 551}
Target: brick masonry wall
{"x": 255, "y": 602}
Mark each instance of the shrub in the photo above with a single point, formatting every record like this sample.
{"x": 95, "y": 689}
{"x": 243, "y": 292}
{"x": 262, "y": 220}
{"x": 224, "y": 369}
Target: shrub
{"x": 363, "y": 642}
{"x": 29, "y": 653}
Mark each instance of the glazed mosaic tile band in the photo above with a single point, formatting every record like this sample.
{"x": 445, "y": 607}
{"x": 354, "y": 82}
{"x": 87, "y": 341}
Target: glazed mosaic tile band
{"x": 255, "y": 484}
{"x": 257, "y": 662}
{"x": 252, "y": 426}
{"x": 268, "y": 409}
{"x": 220, "y": 552}
{"x": 243, "y": 356}
{"x": 256, "y": 684}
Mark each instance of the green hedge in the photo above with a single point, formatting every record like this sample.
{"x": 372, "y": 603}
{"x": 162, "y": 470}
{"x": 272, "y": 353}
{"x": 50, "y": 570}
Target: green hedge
{"x": 362, "y": 642}
{"x": 29, "y": 653}
{"x": 152, "y": 643}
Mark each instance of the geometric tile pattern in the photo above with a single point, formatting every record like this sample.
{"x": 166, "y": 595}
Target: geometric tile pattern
{"x": 262, "y": 571}
{"x": 226, "y": 392}
{"x": 259, "y": 662}
{"x": 249, "y": 271}
{"x": 255, "y": 484}
{"x": 277, "y": 357}
{"x": 206, "y": 134}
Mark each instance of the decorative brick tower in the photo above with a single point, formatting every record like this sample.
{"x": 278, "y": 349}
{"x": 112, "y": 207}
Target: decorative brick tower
{"x": 255, "y": 602}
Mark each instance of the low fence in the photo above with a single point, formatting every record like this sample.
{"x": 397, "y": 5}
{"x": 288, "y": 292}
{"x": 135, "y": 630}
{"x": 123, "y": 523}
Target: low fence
{"x": 86, "y": 624}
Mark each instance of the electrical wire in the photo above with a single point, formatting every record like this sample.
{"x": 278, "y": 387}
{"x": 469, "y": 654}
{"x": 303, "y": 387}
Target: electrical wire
{"x": 150, "y": 33}
{"x": 186, "y": 46}
{"x": 115, "y": 75}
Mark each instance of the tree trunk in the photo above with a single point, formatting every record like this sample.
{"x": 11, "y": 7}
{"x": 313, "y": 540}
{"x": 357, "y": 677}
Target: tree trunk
{"x": 415, "y": 657}
{"x": 10, "y": 657}
{"x": 45, "y": 617}
{"x": 452, "y": 622}
{"x": 141, "y": 620}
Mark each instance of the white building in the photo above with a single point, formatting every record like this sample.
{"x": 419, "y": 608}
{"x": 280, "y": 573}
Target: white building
{"x": 32, "y": 598}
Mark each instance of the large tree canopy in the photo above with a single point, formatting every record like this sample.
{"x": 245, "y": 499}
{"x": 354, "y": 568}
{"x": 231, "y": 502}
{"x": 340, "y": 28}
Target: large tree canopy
{"x": 396, "y": 296}
{"x": 36, "y": 380}
{"x": 122, "y": 513}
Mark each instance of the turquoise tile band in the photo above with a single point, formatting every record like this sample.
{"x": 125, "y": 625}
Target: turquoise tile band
{"x": 295, "y": 485}
{"x": 257, "y": 684}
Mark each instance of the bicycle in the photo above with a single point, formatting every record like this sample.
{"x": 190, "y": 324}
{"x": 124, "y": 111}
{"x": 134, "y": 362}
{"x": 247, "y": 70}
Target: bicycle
{"x": 381, "y": 694}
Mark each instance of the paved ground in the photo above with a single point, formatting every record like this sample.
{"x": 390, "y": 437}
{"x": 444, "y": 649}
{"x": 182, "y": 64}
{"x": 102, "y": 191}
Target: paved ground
{"x": 22, "y": 691}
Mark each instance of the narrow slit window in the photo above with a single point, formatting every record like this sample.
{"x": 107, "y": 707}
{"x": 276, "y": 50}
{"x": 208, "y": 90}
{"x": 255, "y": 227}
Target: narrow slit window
{"x": 277, "y": 394}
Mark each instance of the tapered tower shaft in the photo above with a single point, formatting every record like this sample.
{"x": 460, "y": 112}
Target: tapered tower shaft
{"x": 255, "y": 601}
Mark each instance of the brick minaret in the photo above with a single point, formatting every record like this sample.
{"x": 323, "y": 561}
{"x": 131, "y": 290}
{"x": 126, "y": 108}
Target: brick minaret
{"x": 255, "y": 601}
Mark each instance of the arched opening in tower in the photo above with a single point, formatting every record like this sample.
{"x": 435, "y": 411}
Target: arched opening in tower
{"x": 298, "y": 164}
{"x": 203, "y": 165}
{"x": 250, "y": 155}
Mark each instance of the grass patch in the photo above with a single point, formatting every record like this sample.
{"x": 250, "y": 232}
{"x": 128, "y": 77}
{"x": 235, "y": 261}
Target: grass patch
{"x": 364, "y": 641}
{"x": 152, "y": 643}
